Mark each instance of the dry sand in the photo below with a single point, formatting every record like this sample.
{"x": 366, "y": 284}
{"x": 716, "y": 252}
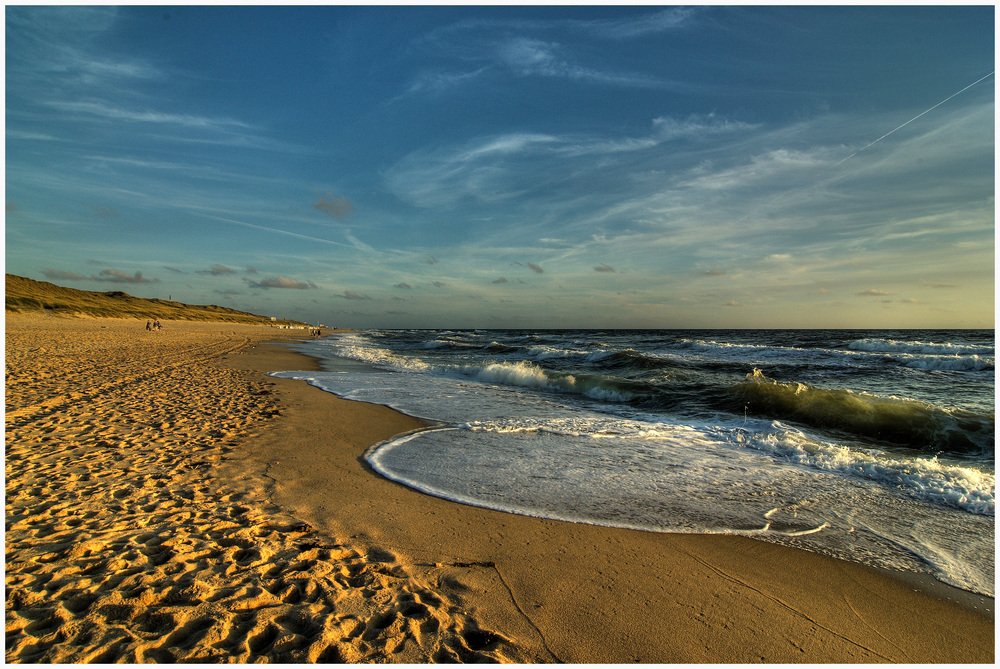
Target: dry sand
{"x": 166, "y": 501}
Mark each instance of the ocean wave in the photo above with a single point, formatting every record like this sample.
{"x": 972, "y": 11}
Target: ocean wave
{"x": 553, "y": 352}
{"x": 711, "y": 346}
{"x": 529, "y": 375}
{"x": 918, "y": 347}
{"x": 632, "y": 359}
{"x": 449, "y": 343}
{"x": 900, "y": 421}
{"x": 926, "y": 478}
{"x": 958, "y": 363}
{"x": 495, "y": 347}
{"x": 380, "y": 357}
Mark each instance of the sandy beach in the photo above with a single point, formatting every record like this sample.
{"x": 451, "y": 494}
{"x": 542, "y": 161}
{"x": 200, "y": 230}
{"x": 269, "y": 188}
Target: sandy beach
{"x": 167, "y": 501}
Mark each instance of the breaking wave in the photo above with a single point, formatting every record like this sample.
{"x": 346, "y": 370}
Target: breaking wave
{"x": 920, "y": 347}
{"x": 529, "y": 375}
{"x": 906, "y": 422}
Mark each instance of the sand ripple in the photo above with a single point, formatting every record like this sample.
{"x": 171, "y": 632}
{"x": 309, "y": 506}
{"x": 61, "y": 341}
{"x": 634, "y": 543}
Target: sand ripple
{"x": 121, "y": 545}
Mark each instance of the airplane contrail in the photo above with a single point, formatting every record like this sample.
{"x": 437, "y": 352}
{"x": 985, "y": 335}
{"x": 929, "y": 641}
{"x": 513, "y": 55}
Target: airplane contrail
{"x": 280, "y": 232}
{"x": 914, "y": 118}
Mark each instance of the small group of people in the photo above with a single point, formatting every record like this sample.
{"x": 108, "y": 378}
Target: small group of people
{"x": 155, "y": 325}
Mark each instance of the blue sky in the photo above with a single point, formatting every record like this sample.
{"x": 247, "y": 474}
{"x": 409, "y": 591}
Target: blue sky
{"x": 511, "y": 166}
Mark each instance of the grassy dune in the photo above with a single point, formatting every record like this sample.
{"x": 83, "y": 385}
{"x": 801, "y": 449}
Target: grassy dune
{"x": 27, "y": 295}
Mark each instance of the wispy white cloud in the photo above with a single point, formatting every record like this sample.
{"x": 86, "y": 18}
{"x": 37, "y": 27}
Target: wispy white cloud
{"x": 789, "y": 166}
{"x": 108, "y": 112}
{"x": 61, "y": 68}
{"x": 30, "y": 136}
{"x": 775, "y": 217}
{"x": 545, "y": 48}
{"x": 645, "y": 23}
{"x": 532, "y": 56}
{"x": 59, "y": 46}
{"x": 484, "y": 168}
{"x": 527, "y": 56}
{"x": 132, "y": 167}
{"x": 707, "y": 207}
{"x": 439, "y": 81}
{"x": 638, "y": 26}
{"x": 697, "y": 126}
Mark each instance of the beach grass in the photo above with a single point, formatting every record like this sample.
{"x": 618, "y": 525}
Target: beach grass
{"x": 27, "y": 295}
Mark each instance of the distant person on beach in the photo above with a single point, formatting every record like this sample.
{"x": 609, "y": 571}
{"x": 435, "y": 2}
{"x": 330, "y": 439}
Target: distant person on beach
{"x": 148, "y": 326}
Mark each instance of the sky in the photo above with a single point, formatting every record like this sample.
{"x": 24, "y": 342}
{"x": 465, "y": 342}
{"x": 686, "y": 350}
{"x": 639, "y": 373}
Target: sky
{"x": 521, "y": 167}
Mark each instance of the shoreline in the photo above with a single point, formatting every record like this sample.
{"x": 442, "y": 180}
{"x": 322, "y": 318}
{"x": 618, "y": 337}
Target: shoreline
{"x": 167, "y": 501}
{"x": 926, "y": 582}
{"x": 621, "y": 571}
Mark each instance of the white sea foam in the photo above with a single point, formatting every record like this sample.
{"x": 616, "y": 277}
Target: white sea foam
{"x": 567, "y": 453}
{"x": 523, "y": 374}
{"x": 728, "y": 348}
{"x": 964, "y": 363}
{"x": 964, "y": 488}
{"x": 358, "y": 347}
{"x": 548, "y": 352}
{"x": 682, "y": 479}
{"x": 526, "y": 374}
{"x": 921, "y": 347}
{"x": 929, "y": 356}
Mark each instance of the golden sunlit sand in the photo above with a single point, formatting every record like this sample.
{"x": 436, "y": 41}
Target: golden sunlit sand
{"x": 166, "y": 501}
{"x": 122, "y": 543}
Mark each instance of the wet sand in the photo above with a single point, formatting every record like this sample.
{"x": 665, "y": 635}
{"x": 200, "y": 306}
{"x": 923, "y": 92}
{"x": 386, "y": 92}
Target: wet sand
{"x": 166, "y": 501}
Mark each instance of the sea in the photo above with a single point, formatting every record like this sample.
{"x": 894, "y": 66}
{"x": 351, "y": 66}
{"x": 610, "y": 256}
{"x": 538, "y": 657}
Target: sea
{"x": 873, "y": 446}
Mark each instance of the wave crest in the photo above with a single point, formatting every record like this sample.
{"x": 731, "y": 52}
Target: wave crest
{"x": 905, "y": 422}
{"x": 529, "y": 375}
{"x": 926, "y": 478}
{"x": 920, "y": 347}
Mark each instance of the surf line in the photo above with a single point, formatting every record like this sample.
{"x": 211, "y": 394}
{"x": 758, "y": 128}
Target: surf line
{"x": 915, "y": 118}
